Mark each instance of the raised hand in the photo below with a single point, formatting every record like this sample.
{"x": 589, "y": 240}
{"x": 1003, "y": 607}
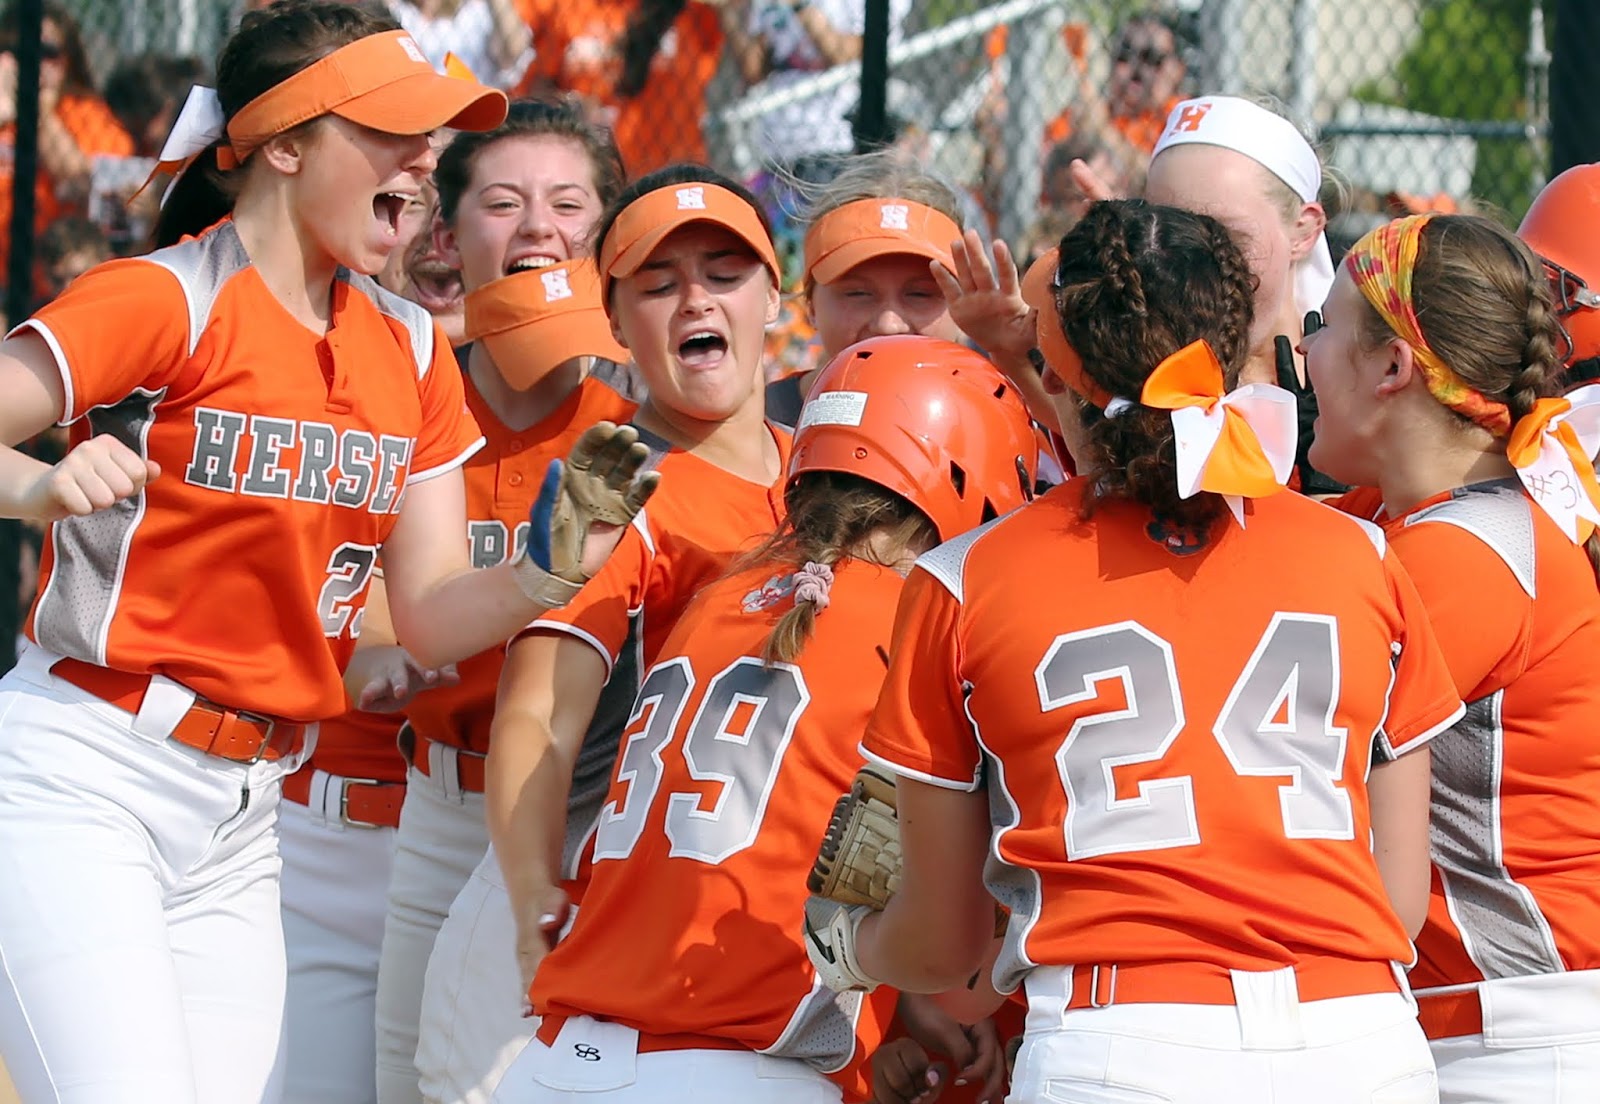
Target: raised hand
{"x": 986, "y": 300}
{"x": 581, "y": 511}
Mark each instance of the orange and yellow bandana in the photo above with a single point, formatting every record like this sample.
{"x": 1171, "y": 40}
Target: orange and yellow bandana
{"x": 1381, "y": 264}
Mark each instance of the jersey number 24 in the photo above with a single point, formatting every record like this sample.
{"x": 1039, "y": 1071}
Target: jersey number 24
{"x": 1277, "y": 721}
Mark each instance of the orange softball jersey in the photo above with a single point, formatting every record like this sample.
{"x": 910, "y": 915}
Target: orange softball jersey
{"x": 1176, "y": 746}
{"x": 727, "y": 774}
{"x": 1516, "y": 784}
{"x": 680, "y": 542}
{"x": 242, "y": 571}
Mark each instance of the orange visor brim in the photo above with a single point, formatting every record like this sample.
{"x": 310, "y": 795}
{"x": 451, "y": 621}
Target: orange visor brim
{"x": 382, "y": 82}
{"x": 865, "y": 229}
{"x": 647, "y": 222}
{"x": 1038, "y": 291}
{"x": 534, "y": 321}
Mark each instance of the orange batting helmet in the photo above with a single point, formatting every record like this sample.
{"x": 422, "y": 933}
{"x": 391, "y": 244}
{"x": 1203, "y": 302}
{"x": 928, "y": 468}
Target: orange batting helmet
{"x": 1563, "y": 228}
{"x": 930, "y": 420}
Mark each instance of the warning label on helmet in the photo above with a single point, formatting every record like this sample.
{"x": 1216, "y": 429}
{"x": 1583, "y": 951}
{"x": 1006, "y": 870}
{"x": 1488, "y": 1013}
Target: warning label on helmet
{"x": 833, "y": 408}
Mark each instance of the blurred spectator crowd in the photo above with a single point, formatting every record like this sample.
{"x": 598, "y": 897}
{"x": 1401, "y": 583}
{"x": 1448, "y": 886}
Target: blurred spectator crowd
{"x": 656, "y": 71}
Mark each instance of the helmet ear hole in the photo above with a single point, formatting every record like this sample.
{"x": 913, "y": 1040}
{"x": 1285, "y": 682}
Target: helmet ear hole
{"x": 958, "y": 477}
{"x": 989, "y": 512}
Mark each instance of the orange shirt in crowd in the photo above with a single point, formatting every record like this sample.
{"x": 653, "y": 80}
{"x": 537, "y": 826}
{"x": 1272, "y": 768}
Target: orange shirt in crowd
{"x": 1141, "y": 130}
{"x": 242, "y": 572}
{"x": 575, "y": 44}
{"x": 1176, "y": 750}
{"x": 502, "y": 481}
{"x": 1516, "y": 785}
{"x": 93, "y": 127}
{"x": 726, "y": 777}
{"x": 684, "y": 539}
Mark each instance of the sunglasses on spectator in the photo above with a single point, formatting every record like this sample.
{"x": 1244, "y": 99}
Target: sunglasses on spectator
{"x": 51, "y": 51}
{"x": 1148, "y": 56}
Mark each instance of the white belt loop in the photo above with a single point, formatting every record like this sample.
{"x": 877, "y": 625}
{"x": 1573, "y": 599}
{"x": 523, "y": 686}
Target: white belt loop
{"x": 1268, "y": 1002}
{"x": 165, "y": 704}
{"x": 1094, "y": 986}
{"x": 1049, "y": 991}
{"x": 444, "y": 771}
{"x": 326, "y": 790}
{"x": 322, "y": 800}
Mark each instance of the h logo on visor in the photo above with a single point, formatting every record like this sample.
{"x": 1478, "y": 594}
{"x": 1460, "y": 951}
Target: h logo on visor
{"x": 413, "y": 51}
{"x": 896, "y": 216}
{"x": 556, "y": 286}
{"x": 1191, "y": 117}
{"x": 691, "y": 199}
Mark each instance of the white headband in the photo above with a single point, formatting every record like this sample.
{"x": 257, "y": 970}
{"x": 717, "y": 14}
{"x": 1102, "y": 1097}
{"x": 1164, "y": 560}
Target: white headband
{"x": 1277, "y": 145}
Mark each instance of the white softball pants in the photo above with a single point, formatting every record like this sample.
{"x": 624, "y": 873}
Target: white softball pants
{"x": 335, "y": 898}
{"x": 1540, "y": 1041}
{"x": 594, "y": 1062}
{"x": 472, "y": 998}
{"x": 1266, "y": 1049}
{"x": 442, "y": 837}
{"x": 141, "y": 952}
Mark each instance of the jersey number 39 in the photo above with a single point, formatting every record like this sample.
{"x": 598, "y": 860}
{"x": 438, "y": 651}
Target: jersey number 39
{"x": 1278, "y": 720}
{"x": 736, "y": 741}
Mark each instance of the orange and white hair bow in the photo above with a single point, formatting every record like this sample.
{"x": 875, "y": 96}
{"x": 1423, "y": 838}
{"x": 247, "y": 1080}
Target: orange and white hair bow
{"x": 1238, "y": 444}
{"x": 1553, "y": 450}
{"x": 199, "y": 124}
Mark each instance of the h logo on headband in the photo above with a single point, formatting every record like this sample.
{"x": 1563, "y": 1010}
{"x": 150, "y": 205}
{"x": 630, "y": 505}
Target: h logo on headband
{"x": 1191, "y": 117}
{"x": 556, "y": 286}
{"x": 691, "y": 199}
{"x": 896, "y": 216}
{"x": 413, "y": 51}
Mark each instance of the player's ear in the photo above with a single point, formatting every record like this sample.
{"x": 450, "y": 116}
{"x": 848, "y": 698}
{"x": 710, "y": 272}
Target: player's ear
{"x": 1401, "y": 367}
{"x": 616, "y": 331}
{"x": 287, "y": 152}
{"x": 774, "y": 302}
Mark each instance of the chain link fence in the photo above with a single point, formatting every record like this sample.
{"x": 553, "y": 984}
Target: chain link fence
{"x": 1441, "y": 104}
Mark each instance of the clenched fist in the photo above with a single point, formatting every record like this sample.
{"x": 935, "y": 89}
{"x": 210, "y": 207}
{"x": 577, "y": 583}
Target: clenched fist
{"x": 95, "y": 475}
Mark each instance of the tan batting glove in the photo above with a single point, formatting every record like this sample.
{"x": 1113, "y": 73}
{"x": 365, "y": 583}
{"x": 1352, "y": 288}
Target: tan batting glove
{"x": 581, "y": 512}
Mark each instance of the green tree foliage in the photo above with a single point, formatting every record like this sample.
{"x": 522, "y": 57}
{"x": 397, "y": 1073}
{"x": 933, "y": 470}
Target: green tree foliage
{"x": 1468, "y": 62}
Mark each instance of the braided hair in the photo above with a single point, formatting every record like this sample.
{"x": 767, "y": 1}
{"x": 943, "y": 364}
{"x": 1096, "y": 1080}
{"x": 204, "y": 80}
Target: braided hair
{"x": 1484, "y": 305}
{"x": 1137, "y": 283}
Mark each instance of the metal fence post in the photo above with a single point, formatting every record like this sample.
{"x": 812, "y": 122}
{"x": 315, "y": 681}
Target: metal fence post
{"x": 1574, "y": 123}
{"x": 872, "y": 111}
{"x": 19, "y": 279}
{"x": 25, "y": 167}
{"x": 1027, "y": 51}
{"x": 10, "y": 583}
{"x": 1303, "y": 61}
{"x": 1536, "y": 100}
{"x": 1222, "y": 42}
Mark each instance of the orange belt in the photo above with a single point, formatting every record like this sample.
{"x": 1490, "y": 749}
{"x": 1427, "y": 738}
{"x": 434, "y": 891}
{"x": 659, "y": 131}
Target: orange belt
{"x": 363, "y": 802}
{"x": 470, "y": 765}
{"x": 550, "y": 1026}
{"x": 1203, "y": 983}
{"x": 1450, "y": 1015}
{"x": 230, "y": 734}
